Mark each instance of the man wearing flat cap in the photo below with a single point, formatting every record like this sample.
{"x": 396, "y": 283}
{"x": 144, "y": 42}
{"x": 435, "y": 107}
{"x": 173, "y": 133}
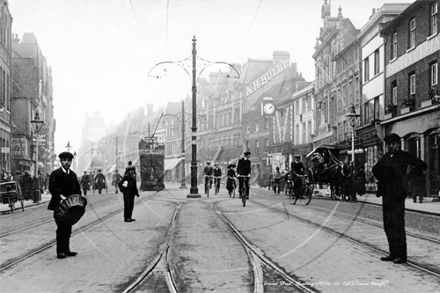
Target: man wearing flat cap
{"x": 63, "y": 182}
{"x": 390, "y": 171}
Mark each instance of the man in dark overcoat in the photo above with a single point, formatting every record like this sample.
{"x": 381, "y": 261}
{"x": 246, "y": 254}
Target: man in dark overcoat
{"x": 63, "y": 182}
{"x": 390, "y": 171}
{"x": 85, "y": 182}
{"x": 129, "y": 189}
{"x": 244, "y": 169}
{"x": 100, "y": 181}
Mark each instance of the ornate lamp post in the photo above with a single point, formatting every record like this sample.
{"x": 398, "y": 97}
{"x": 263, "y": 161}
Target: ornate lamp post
{"x": 37, "y": 124}
{"x": 194, "y": 192}
{"x": 352, "y": 116}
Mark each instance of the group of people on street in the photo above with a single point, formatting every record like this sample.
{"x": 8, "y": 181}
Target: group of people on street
{"x": 27, "y": 183}
{"x": 390, "y": 172}
{"x": 63, "y": 182}
{"x": 243, "y": 173}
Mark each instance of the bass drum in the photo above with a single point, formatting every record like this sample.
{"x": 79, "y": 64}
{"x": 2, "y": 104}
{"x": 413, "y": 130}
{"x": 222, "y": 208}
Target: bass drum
{"x": 71, "y": 209}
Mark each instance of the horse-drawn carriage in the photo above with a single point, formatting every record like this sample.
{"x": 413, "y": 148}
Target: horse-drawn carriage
{"x": 328, "y": 169}
{"x": 10, "y": 193}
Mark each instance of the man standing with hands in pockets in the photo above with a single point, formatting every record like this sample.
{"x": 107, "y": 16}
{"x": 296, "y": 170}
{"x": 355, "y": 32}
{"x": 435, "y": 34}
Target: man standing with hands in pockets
{"x": 129, "y": 189}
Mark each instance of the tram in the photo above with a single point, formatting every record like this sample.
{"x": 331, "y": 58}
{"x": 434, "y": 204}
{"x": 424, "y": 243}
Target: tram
{"x": 152, "y": 161}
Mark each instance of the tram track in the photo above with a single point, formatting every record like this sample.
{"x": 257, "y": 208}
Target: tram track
{"x": 51, "y": 243}
{"x": 417, "y": 265}
{"x": 258, "y": 259}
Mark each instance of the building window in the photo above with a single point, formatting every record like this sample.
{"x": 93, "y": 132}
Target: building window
{"x": 394, "y": 93}
{"x": 266, "y": 124}
{"x": 248, "y": 145}
{"x": 257, "y": 126}
{"x": 376, "y": 62}
{"x": 412, "y": 84}
{"x": 304, "y": 133}
{"x": 412, "y": 33}
{"x": 309, "y": 129}
{"x": 297, "y": 134}
{"x": 266, "y": 144}
{"x": 394, "y": 49}
{"x": 297, "y": 107}
{"x": 257, "y": 147}
{"x": 434, "y": 19}
{"x": 434, "y": 74}
{"x": 366, "y": 70}
{"x": 248, "y": 128}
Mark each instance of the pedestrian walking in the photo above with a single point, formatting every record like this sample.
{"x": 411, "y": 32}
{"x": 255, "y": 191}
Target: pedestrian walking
{"x": 46, "y": 183}
{"x": 27, "y": 183}
{"x": 230, "y": 182}
{"x": 116, "y": 179}
{"x": 417, "y": 184}
{"x": 276, "y": 180}
{"x": 99, "y": 181}
{"x": 129, "y": 189}
{"x": 63, "y": 182}
{"x": 85, "y": 183}
{"x": 390, "y": 172}
{"x": 92, "y": 181}
{"x": 359, "y": 181}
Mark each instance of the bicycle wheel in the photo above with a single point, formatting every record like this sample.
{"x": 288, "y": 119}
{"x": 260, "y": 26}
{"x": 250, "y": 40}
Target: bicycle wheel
{"x": 243, "y": 196}
{"x": 309, "y": 187}
{"x": 292, "y": 196}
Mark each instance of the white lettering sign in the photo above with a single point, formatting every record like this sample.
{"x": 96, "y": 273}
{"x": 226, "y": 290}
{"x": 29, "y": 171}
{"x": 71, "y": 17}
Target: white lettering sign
{"x": 267, "y": 77}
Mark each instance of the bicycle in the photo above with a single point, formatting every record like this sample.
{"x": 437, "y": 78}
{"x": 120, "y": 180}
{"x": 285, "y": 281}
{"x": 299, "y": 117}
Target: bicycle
{"x": 243, "y": 189}
{"x": 305, "y": 192}
{"x": 217, "y": 184}
{"x": 208, "y": 184}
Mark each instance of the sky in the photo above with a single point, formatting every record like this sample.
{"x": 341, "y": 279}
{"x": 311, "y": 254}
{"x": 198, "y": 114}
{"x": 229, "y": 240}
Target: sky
{"x": 103, "y": 53}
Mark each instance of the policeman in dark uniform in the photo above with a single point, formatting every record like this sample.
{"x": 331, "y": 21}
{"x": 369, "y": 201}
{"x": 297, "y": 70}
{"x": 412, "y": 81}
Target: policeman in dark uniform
{"x": 390, "y": 171}
{"x": 297, "y": 168}
{"x": 63, "y": 182}
{"x": 244, "y": 169}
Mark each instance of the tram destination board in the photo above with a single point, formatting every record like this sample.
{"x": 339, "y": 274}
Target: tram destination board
{"x": 152, "y": 161}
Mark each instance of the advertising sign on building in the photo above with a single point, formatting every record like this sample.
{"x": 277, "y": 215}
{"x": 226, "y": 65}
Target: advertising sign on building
{"x": 19, "y": 146}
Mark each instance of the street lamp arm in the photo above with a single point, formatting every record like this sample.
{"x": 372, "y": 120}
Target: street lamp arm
{"x": 209, "y": 63}
{"x": 180, "y": 63}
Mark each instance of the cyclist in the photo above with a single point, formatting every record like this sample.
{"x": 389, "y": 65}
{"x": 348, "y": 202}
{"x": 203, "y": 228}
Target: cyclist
{"x": 230, "y": 183}
{"x": 276, "y": 180}
{"x": 289, "y": 181}
{"x": 207, "y": 173}
{"x": 297, "y": 168}
{"x": 217, "y": 177}
{"x": 244, "y": 169}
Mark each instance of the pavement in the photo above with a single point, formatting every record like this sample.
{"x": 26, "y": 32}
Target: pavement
{"x": 429, "y": 205}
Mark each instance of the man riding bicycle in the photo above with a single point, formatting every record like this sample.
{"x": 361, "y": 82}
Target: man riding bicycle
{"x": 297, "y": 170}
{"x": 244, "y": 170}
{"x": 217, "y": 177}
{"x": 207, "y": 173}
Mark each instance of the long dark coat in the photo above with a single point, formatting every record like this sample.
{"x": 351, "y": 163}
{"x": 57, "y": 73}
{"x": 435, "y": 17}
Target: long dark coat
{"x": 62, "y": 183}
{"x": 359, "y": 182}
{"x": 393, "y": 188}
{"x": 244, "y": 167}
{"x": 230, "y": 183}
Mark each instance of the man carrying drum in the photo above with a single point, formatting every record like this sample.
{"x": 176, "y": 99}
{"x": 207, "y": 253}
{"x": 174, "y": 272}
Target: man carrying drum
{"x": 63, "y": 182}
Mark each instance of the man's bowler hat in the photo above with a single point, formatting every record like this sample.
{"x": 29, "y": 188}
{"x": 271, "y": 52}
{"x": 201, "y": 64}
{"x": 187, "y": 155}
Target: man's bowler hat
{"x": 66, "y": 155}
{"x": 392, "y": 137}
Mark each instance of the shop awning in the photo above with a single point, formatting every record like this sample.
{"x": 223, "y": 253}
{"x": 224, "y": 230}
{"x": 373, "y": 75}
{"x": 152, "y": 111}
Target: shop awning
{"x": 170, "y": 164}
{"x": 284, "y": 148}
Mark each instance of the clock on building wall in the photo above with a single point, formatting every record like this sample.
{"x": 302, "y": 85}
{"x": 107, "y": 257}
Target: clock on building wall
{"x": 268, "y": 107}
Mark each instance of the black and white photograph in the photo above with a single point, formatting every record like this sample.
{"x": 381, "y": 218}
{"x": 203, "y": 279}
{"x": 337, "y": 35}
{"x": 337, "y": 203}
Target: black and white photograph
{"x": 231, "y": 146}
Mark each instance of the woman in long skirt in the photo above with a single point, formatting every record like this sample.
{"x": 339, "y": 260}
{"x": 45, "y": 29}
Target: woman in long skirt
{"x": 230, "y": 183}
